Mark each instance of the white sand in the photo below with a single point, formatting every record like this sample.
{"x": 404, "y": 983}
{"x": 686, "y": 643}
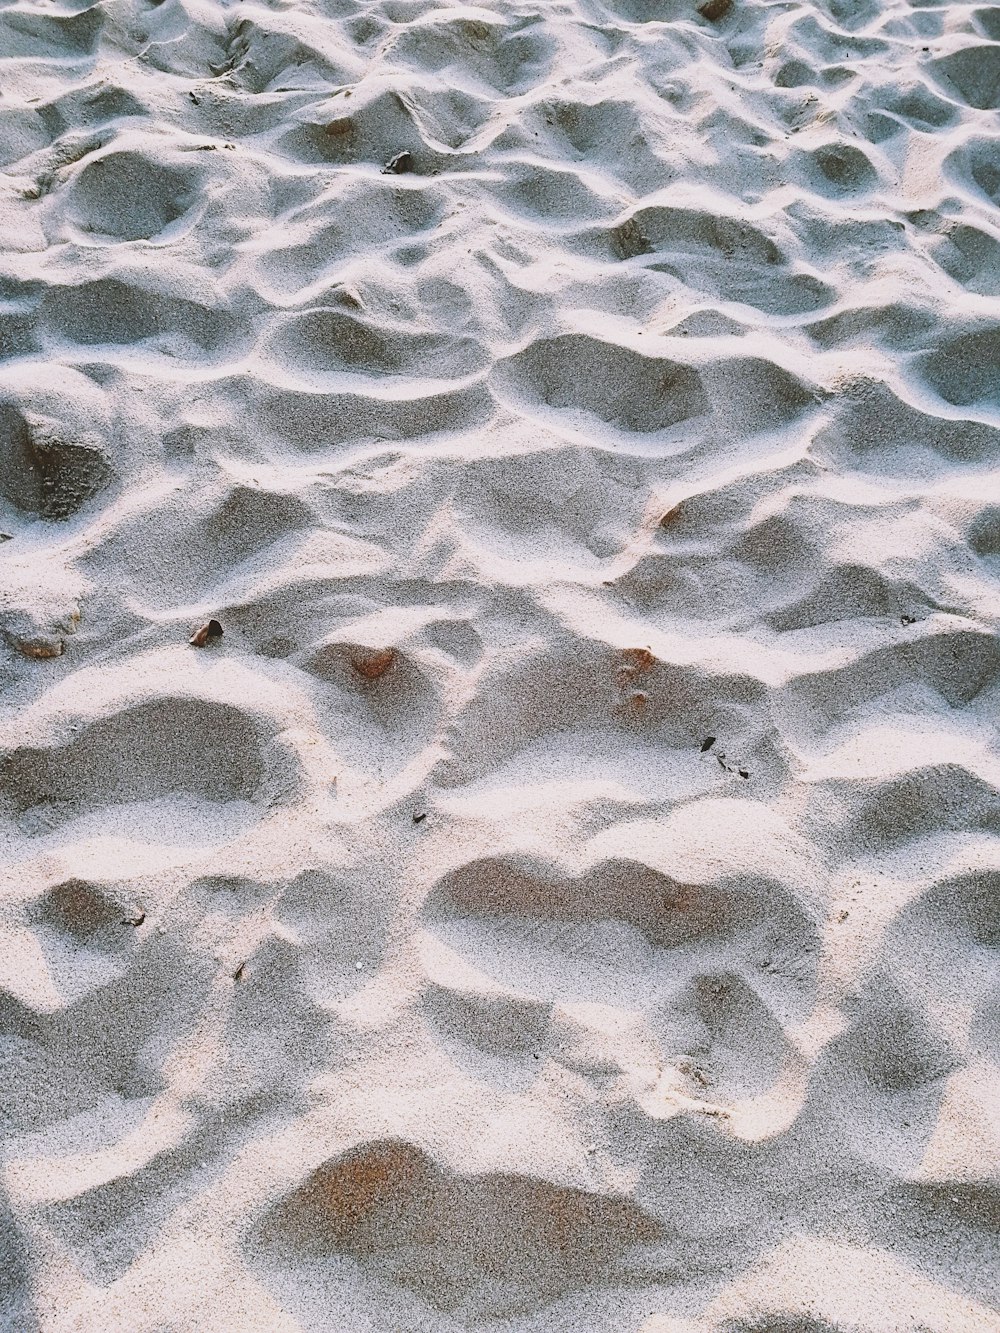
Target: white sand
{"x": 658, "y": 400}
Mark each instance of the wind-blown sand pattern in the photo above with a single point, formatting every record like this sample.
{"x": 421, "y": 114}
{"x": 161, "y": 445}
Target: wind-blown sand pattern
{"x": 567, "y": 896}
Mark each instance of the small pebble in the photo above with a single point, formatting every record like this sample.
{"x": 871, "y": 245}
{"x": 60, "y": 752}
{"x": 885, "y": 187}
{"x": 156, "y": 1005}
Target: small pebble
{"x": 398, "y": 164}
{"x": 371, "y": 663}
{"x": 206, "y": 633}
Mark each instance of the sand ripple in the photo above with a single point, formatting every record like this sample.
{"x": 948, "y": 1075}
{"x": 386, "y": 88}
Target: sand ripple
{"x": 567, "y": 895}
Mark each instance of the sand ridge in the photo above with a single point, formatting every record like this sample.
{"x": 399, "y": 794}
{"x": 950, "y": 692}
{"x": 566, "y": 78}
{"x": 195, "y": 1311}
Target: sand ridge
{"x": 566, "y": 894}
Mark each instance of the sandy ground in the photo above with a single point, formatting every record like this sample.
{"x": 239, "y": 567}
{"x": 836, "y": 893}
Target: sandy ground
{"x": 567, "y": 896}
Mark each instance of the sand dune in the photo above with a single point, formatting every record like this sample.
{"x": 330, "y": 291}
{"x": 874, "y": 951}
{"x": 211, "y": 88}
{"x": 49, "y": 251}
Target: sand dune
{"x": 567, "y": 895}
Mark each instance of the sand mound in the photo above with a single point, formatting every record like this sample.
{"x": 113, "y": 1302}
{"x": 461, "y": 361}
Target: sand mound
{"x": 520, "y": 1242}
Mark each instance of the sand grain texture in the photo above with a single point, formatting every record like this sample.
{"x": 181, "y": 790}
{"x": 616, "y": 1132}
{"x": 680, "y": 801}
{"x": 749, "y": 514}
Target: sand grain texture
{"x": 566, "y": 895}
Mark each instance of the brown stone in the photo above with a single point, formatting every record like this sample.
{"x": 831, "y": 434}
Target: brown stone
{"x": 371, "y": 663}
{"x": 206, "y": 634}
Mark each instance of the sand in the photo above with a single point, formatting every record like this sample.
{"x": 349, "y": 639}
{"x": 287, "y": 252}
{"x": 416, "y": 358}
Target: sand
{"x": 566, "y": 896}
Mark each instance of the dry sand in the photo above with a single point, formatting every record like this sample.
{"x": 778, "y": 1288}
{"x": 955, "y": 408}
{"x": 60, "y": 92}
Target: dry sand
{"x": 411, "y": 958}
